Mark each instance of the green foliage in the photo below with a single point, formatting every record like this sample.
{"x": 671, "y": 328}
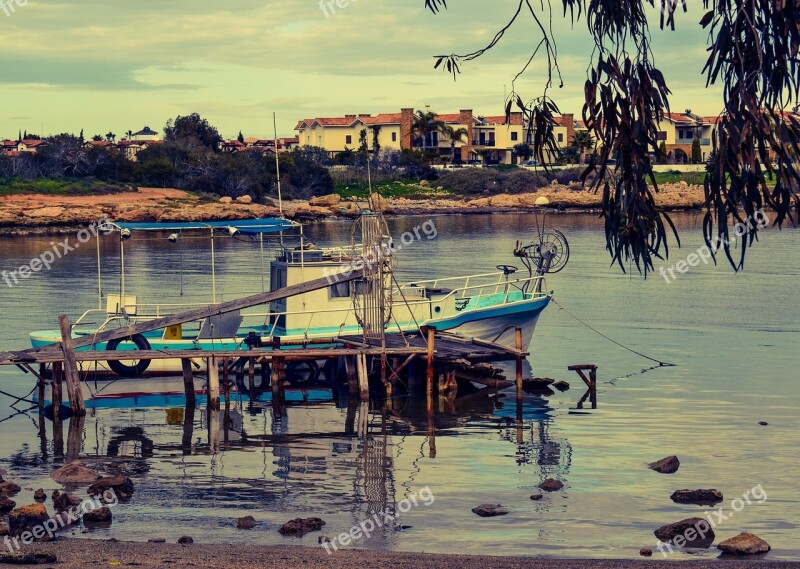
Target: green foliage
{"x": 192, "y": 129}
{"x": 662, "y": 153}
{"x": 491, "y": 181}
{"x": 60, "y": 187}
{"x": 524, "y": 151}
{"x": 697, "y": 151}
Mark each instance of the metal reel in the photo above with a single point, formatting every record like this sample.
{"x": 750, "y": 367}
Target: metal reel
{"x": 555, "y": 243}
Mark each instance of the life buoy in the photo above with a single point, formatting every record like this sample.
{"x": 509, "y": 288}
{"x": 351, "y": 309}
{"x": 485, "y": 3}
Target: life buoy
{"x": 126, "y": 370}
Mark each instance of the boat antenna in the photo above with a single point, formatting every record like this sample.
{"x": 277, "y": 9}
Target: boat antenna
{"x": 277, "y": 163}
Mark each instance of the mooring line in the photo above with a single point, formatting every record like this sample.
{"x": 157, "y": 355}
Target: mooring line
{"x": 596, "y": 331}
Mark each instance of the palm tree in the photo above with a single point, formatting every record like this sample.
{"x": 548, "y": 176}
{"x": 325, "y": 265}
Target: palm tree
{"x": 111, "y": 137}
{"x": 454, "y": 135}
{"x": 129, "y": 134}
{"x": 425, "y": 124}
{"x": 582, "y": 140}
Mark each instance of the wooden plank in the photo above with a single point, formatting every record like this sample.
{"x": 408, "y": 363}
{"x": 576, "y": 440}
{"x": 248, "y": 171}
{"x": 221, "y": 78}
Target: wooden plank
{"x": 201, "y": 313}
{"x": 73, "y": 380}
{"x": 188, "y": 383}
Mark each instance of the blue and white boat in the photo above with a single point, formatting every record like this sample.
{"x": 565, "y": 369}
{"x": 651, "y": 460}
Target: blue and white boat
{"x": 487, "y": 306}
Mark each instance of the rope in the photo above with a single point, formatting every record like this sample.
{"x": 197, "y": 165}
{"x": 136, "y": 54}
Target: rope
{"x": 596, "y": 331}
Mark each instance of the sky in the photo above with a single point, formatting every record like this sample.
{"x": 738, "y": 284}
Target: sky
{"x": 118, "y": 65}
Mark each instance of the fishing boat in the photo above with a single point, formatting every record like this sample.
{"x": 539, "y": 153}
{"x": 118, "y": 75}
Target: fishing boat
{"x": 489, "y": 305}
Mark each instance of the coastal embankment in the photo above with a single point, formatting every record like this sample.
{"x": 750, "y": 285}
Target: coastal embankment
{"x": 42, "y": 213}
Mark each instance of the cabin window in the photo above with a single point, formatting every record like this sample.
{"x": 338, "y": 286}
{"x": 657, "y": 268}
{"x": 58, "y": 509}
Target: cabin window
{"x": 277, "y": 278}
{"x": 363, "y": 287}
{"x": 348, "y": 139}
{"x": 340, "y": 290}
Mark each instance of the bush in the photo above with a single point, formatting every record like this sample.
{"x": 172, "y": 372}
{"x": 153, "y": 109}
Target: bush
{"x": 476, "y": 181}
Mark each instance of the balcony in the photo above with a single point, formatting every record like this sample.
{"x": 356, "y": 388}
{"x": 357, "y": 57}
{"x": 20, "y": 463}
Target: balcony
{"x": 489, "y": 143}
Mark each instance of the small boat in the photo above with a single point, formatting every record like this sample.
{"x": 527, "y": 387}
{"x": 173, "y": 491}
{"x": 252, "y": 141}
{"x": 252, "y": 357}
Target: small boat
{"x": 488, "y": 306}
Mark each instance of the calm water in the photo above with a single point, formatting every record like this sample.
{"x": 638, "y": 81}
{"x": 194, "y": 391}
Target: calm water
{"x": 732, "y": 338}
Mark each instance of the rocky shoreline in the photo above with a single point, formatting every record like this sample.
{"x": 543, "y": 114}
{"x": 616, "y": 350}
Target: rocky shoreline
{"x": 32, "y": 213}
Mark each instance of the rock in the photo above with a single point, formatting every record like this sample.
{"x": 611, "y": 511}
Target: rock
{"x": 323, "y": 539}
{"x": 668, "y": 465}
{"x": 490, "y": 510}
{"x": 539, "y": 385}
{"x": 480, "y": 202}
{"x": 185, "y": 539}
{"x": 26, "y": 518}
{"x": 226, "y": 199}
{"x": 7, "y": 505}
{"x": 301, "y": 526}
{"x": 247, "y": 522}
{"x": 700, "y": 497}
{"x": 329, "y": 200}
{"x": 504, "y": 200}
{"x": 424, "y": 183}
{"x": 63, "y": 502}
{"x": 156, "y": 540}
{"x": 695, "y": 532}
{"x": 8, "y": 488}
{"x": 763, "y": 423}
{"x": 244, "y": 200}
{"x": 121, "y": 485}
{"x": 3, "y": 529}
{"x": 561, "y": 385}
{"x": 28, "y": 559}
{"x": 744, "y": 544}
{"x": 102, "y": 515}
{"x": 536, "y": 496}
{"x": 378, "y": 203}
{"x": 551, "y": 485}
{"x": 74, "y": 473}
{"x": 46, "y": 212}
{"x": 646, "y": 552}
{"x": 39, "y": 495}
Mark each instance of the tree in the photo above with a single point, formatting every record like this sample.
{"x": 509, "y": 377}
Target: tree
{"x": 129, "y": 134}
{"x": 193, "y": 130}
{"x": 454, "y": 135}
{"x": 425, "y": 124}
{"x": 376, "y": 144}
{"x": 662, "y": 152}
{"x": 752, "y": 52}
{"x": 240, "y": 138}
{"x": 362, "y": 140}
{"x": 697, "y": 152}
{"x": 97, "y": 138}
{"x": 524, "y": 151}
{"x": 80, "y": 138}
{"x": 582, "y": 141}
{"x": 111, "y": 137}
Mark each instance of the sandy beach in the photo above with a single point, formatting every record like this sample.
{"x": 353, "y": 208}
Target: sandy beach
{"x": 79, "y": 553}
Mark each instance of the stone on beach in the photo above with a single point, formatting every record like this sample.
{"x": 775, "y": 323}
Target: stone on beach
{"x": 74, "y": 473}
{"x": 3, "y": 529}
{"x": 63, "y": 501}
{"x": 301, "y": 526}
{"x": 244, "y": 200}
{"x": 121, "y": 485}
{"x": 700, "y": 497}
{"x": 8, "y": 488}
{"x": 226, "y": 199}
{"x": 490, "y": 510}
{"x": 185, "y": 539}
{"x": 551, "y": 485}
{"x": 28, "y": 559}
{"x": 329, "y": 200}
{"x": 745, "y": 543}
{"x": 26, "y": 518}
{"x": 157, "y": 540}
{"x": 39, "y": 495}
{"x": 247, "y": 522}
{"x": 6, "y": 505}
{"x": 561, "y": 385}
{"x": 99, "y": 516}
{"x": 668, "y": 465}
{"x": 695, "y": 532}
{"x": 646, "y": 552}
{"x": 536, "y": 497}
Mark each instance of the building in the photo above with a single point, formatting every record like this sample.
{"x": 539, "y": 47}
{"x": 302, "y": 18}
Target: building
{"x": 17, "y": 147}
{"x": 488, "y": 139}
{"x": 264, "y": 146}
{"x": 145, "y": 135}
{"x": 678, "y": 132}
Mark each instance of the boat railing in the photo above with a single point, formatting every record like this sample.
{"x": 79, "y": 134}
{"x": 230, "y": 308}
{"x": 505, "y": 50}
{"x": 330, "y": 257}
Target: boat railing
{"x": 506, "y": 285}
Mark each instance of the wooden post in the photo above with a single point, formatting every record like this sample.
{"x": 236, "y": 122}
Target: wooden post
{"x": 251, "y": 376}
{"x": 226, "y": 390}
{"x": 188, "y": 383}
{"x": 213, "y": 429}
{"x": 429, "y": 376}
{"x": 75, "y": 436}
{"x": 351, "y": 369}
{"x": 518, "y": 337}
{"x": 58, "y": 430}
{"x": 276, "y": 381}
{"x": 213, "y": 384}
{"x": 73, "y": 380}
{"x": 363, "y": 377}
{"x": 188, "y": 426}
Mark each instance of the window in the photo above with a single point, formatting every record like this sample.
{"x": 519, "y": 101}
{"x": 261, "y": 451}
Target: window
{"x": 277, "y": 278}
{"x": 662, "y": 135}
{"x": 394, "y": 137}
{"x": 514, "y": 136}
{"x": 340, "y": 290}
{"x": 348, "y": 139}
{"x": 363, "y": 287}
{"x": 561, "y": 137}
